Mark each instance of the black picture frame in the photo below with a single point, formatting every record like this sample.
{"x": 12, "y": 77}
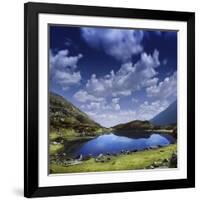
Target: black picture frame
{"x": 31, "y": 12}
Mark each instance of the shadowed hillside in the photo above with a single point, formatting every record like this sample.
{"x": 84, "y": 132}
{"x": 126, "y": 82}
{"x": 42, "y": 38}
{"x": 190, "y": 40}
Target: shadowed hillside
{"x": 64, "y": 115}
{"x": 168, "y": 116}
{"x": 134, "y": 125}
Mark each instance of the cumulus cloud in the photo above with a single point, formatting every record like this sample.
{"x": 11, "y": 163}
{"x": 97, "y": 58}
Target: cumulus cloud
{"x": 100, "y": 97}
{"x": 109, "y": 119}
{"x": 84, "y": 96}
{"x": 67, "y": 79}
{"x": 129, "y": 78}
{"x": 164, "y": 89}
{"x": 118, "y": 43}
{"x": 99, "y": 105}
{"x": 147, "y": 110}
{"x": 108, "y": 116}
{"x": 91, "y": 106}
{"x": 115, "y": 104}
{"x": 62, "y": 60}
{"x": 63, "y": 68}
{"x": 115, "y": 100}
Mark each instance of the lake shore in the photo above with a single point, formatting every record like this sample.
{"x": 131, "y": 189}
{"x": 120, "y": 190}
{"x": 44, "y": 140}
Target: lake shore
{"x": 145, "y": 159}
{"x": 160, "y": 130}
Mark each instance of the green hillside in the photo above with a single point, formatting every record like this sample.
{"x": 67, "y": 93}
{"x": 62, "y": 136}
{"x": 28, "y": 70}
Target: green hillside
{"x": 65, "y": 116}
{"x": 136, "y": 125}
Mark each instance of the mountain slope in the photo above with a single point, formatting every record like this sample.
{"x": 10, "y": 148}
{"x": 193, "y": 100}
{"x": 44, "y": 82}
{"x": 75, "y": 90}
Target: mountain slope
{"x": 134, "y": 125}
{"x": 166, "y": 117}
{"x": 64, "y": 114}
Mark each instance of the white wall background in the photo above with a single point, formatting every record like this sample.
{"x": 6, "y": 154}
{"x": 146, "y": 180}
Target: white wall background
{"x": 11, "y": 98}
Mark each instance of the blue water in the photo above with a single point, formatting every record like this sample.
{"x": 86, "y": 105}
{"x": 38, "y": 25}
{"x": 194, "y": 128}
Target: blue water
{"x": 112, "y": 143}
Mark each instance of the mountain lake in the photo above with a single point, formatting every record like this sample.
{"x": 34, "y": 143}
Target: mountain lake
{"x": 117, "y": 142}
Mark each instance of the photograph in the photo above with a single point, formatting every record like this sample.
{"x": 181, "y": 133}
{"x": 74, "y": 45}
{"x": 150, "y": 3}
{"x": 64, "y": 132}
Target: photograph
{"x": 112, "y": 99}
{"x": 109, "y": 99}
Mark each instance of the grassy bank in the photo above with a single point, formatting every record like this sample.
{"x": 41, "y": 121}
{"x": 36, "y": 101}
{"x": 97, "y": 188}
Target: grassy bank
{"x": 54, "y": 148}
{"x": 138, "y": 160}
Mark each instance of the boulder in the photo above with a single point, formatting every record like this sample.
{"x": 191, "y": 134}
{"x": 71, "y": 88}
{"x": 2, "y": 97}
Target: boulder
{"x": 153, "y": 147}
{"x": 87, "y": 157}
{"x": 173, "y": 160}
{"x": 100, "y": 155}
{"x": 79, "y": 157}
{"x": 102, "y": 158}
{"x": 128, "y": 152}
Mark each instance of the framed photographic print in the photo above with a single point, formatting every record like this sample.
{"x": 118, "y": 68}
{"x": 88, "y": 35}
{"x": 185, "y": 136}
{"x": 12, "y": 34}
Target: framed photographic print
{"x": 109, "y": 99}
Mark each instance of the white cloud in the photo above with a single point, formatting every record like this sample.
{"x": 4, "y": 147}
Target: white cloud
{"x": 115, "y": 104}
{"x": 111, "y": 115}
{"x": 109, "y": 119}
{"x": 67, "y": 79}
{"x": 91, "y": 106}
{"x": 100, "y": 97}
{"x": 83, "y": 96}
{"x": 129, "y": 78}
{"x": 119, "y": 43}
{"x": 90, "y": 103}
{"x": 117, "y": 107}
{"x": 115, "y": 100}
{"x": 147, "y": 111}
{"x": 164, "y": 89}
{"x": 63, "y": 68}
{"x": 62, "y": 60}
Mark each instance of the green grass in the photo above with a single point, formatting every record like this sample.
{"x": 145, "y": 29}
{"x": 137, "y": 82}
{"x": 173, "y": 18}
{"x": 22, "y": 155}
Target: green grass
{"x": 68, "y": 136}
{"x": 53, "y": 136}
{"x": 54, "y": 148}
{"x": 138, "y": 160}
{"x": 66, "y": 133}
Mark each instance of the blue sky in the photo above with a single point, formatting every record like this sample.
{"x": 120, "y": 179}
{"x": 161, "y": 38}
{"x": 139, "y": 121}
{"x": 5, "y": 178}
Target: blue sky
{"x": 114, "y": 75}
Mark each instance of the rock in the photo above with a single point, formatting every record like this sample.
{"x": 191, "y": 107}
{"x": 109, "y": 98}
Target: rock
{"x": 128, "y": 152}
{"x": 157, "y": 164}
{"x": 87, "y": 157}
{"x": 54, "y": 142}
{"x": 71, "y": 162}
{"x": 99, "y": 158}
{"x": 153, "y": 147}
{"x": 102, "y": 158}
{"x": 173, "y": 160}
{"x": 68, "y": 159}
{"x": 79, "y": 157}
{"x": 150, "y": 167}
{"x": 165, "y": 160}
{"x": 122, "y": 151}
{"x": 100, "y": 155}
